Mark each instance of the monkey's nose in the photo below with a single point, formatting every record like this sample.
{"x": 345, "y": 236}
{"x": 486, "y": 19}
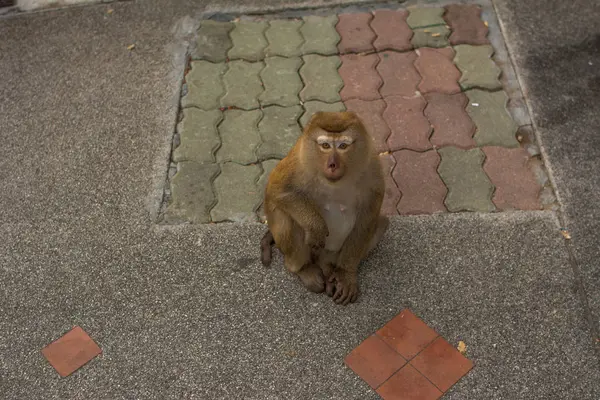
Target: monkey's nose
{"x": 332, "y": 166}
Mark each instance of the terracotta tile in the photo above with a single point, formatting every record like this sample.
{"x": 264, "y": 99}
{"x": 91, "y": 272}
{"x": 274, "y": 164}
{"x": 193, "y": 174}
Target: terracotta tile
{"x": 356, "y": 33}
{"x": 451, "y": 124}
{"x": 407, "y": 334}
{"x": 374, "y": 361}
{"x": 371, "y": 113}
{"x": 437, "y": 70}
{"x": 409, "y": 127}
{"x": 408, "y": 384}
{"x": 400, "y": 77}
{"x": 392, "y": 194}
{"x": 466, "y": 24}
{"x": 422, "y": 189}
{"x": 393, "y": 33}
{"x": 361, "y": 80}
{"x": 71, "y": 351}
{"x": 442, "y": 364}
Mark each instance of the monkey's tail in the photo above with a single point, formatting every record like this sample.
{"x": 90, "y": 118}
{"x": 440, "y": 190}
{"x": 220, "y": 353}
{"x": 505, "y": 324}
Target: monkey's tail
{"x": 265, "y": 248}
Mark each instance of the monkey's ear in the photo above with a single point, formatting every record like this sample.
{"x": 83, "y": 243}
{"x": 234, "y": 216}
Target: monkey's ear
{"x": 333, "y": 121}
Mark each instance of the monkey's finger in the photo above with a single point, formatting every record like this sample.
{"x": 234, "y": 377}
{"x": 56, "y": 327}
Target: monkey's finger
{"x": 343, "y": 295}
{"x": 329, "y": 288}
{"x": 339, "y": 289}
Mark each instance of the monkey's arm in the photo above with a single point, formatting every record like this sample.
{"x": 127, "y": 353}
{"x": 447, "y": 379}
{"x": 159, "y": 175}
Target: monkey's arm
{"x": 305, "y": 213}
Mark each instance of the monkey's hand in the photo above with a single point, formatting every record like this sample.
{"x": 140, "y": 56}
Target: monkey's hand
{"x": 316, "y": 238}
{"x": 346, "y": 286}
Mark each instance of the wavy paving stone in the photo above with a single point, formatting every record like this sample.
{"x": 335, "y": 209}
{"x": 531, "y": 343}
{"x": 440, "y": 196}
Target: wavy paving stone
{"x": 249, "y": 42}
{"x": 213, "y": 41}
{"x": 448, "y": 117}
{"x": 423, "y": 191}
{"x": 495, "y": 126}
{"x": 198, "y": 135}
{"x": 409, "y": 127}
{"x": 435, "y": 36}
{"x": 281, "y": 81}
{"x": 355, "y": 32}
{"x": 279, "y": 131}
{"x": 205, "y": 85}
{"x": 371, "y": 113}
{"x": 284, "y": 38}
{"x": 191, "y": 193}
{"x": 423, "y": 17}
{"x": 516, "y": 185}
{"x": 321, "y": 79}
{"x": 320, "y": 35}
{"x": 242, "y": 84}
{"x": 469, "y": 188}
{"x": 438, "y": 72}
{"x": 238, "y": 195}
{"x": 392, "y": 194}
{"x": 311, "y": 107}
{"x": 361, "y": 80}
{"x": 466, "y": 24}
{"x": 393, "y": 33}
{"x": 400, "y": 77}
{"x": 477, "y": 67}
{"x": 239, "y": 136}
{"x": 267, "y": 166}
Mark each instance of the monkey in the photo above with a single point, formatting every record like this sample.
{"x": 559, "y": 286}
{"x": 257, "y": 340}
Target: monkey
{"x": 323, "y": 202}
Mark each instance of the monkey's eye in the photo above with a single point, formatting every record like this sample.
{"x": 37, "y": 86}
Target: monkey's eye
{"x": 325, "y": 145}
{"x": 343, "y": 146}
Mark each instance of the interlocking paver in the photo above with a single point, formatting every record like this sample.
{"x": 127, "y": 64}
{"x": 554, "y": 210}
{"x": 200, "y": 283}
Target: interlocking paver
{"x": 320, "y": 35}
{"x": 435, "y": 36}
{"x": 469, "y": 188}
{"x": 495, "y": 126}
{"x": 355, "y": 32}
{"x": 516, "y": 185}
{"x": 213, "y": 41}
{"x": 423, "y": 191}
{"x": 321, "y": 79}
{"x": 361, "y": 80}
{"x": 423, "y": 17}
{"x": 191, "y": 193}
{"x": 448, "y": 116}
{"x": 392, "y": 193}
{"x": 400, "y": 77}
{"x": 242, "y": 84}
{"x": 204, "y": 85}
{"x": 249, "y": 42}
{"x": 410, "y": 384}
{"x": 267, "y": 166}
{"x": 279, "y": 131}
{"x": 393, "y": 33}
{"x": 239, "y": 136}
{"x": 438, "y": 72}
{"x": 281, "y": 81}
{"x": 237, "y": 193}
{"x": 477, "y": 67}
{"x": 311, "y": 107}
{"x": 466, "y": 24}
{"x": 198, "y": 135}
{"x": 371, "y": 113}
{"x": 284, "y": 38}
{"x": 409, "y": 127}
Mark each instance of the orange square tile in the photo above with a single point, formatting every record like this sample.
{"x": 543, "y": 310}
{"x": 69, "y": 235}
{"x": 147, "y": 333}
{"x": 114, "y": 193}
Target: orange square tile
{"x": 374, "y": 361}
{"x": 71, "y": 351}
{"x": 408, "y": 384}
{"x": 442, "y": 364}
{"x": 407, "y": 334}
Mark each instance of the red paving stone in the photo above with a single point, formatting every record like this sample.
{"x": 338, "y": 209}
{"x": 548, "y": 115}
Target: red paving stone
{"x": 361, "y": 80}
{"x": 355, "y": 32}
{"x": 409, "y": 127}
{"x": 400, "y": 77}
{"x": 371, "y": 113}
{"x": 408, "y": 384}
{"x": 393, "y": 33}
{"x": 516, "y": 186}
{"x": 392, "y": 194}
{"x": 407, "y": 334}
{"x": 71, "y": 351}
{"x": 466, "y": 24}
{"x": 437, "y": 70}
{"x": 423, "y": 191}
{"x": 451, "y": 124}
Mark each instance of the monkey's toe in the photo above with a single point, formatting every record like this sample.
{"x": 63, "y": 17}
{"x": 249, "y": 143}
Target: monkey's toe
{"x": 329, "y": 288}
{"x": 312, "y": 277}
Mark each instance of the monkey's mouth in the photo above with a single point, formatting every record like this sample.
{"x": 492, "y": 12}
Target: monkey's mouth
{"x": 333, "y": 176}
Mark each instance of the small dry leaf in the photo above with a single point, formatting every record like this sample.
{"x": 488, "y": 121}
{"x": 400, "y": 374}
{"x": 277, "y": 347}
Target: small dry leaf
{"x": 109, "y": 11}
{"x": 485, "y": 23}
{"x": 131, "y": 47}
{"x": 436, "y": 34}
{"x": 565, "y": 233}
{"x": 462, "y": 347}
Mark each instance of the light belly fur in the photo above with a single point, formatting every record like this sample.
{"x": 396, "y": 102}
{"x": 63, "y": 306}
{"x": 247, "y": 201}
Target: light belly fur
{"x": 340, "y": 221}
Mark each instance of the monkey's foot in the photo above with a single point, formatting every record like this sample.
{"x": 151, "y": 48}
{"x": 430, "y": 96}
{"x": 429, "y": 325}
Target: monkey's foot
{"x": 312, "y": 277}
{"x": 346, "y": 286}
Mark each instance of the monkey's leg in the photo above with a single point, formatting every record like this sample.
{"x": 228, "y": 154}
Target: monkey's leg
{"x": 327, "y": 260}
{"x": 382, "y": 225}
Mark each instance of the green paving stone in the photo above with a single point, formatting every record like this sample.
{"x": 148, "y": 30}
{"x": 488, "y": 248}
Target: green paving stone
{"x": 238, "y": 196}
{"x": 213, "y": 41}
{"x": 205, "y": 85}
{"x": 322, "y": 81}
{"x": 435, "y": 36}
{"x": 239, "y": 136}
{"x": 249, "y": 41}
{"x": 192, "y": 195}
{"x": 199, "y": 136}
{"x": 284, "y": 38}
{"x": 469, "y": 188}
{"x": 311, "y": 107}
{"x": 281, "y": 81}
{"x": 495, "y": 126}
{"x": 242, "y": 84}
{"x": 477, "y": 67}
{"x": 424, "y": 17}
{"x": 320, "y": 35}
{"x": 279, "y": 131}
